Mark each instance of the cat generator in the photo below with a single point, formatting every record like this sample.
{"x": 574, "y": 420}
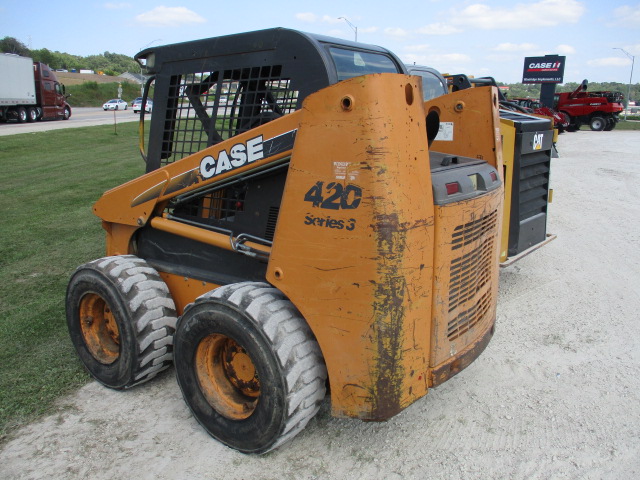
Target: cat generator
{"x": 529, "y": 143}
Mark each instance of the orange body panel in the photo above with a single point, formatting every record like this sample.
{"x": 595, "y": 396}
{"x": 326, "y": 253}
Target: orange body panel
{"x": 185, "y": 290}
{"x": 465, "y": 283}
{"x": 366, "y": 290}
{"x": 359, "y": 246}
{"x": 475, "y": 129}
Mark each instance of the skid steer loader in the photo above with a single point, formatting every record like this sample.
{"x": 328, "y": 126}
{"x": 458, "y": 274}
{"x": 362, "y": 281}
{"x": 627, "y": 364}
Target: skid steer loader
{"x": 294, "y": 235}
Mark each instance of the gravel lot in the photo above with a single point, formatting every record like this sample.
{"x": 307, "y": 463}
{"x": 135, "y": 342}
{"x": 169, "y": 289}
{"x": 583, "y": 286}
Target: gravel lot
{"x": 555, "y": 395}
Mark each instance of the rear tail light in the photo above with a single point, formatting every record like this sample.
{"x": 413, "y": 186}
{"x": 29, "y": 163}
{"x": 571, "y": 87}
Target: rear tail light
{"x": 452, "y": 188}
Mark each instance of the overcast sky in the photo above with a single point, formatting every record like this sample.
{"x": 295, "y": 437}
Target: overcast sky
{"x": 476, "y": 37}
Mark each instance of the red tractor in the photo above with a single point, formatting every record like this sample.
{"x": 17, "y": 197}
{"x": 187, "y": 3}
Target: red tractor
{"x": 600, "y": 110}
{"x": 560, "y": 119}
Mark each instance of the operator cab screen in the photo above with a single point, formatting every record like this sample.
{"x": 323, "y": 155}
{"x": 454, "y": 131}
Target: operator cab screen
{"x": 432, "y": 85}
{"x": 353, "y": 63}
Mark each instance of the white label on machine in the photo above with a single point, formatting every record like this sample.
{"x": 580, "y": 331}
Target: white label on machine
{"x": 445, "y": 132}
{"x": 345, "y": 171}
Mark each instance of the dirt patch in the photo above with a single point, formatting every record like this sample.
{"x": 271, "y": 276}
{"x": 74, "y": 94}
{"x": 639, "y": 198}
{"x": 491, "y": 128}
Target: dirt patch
{"x": 556, "y": 394}
{"x": 69, "y": 78}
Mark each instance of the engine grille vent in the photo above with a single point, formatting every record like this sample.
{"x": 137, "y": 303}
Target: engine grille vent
{"x": 470, "y": 232}
{"x": 470, "y": 273}
{"x": 466, "y": 320}
{"x": 271, "y": 223}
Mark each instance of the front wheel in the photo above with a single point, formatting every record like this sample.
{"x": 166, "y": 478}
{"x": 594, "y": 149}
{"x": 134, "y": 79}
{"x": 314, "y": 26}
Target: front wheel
{"x": 121, "y": 320}
{"x": 597, "y": 124}
{"x": 249, "y": 366}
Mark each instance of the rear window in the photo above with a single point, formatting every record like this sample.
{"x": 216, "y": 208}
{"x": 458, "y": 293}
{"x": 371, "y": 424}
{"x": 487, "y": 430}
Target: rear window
{"x": 353, "y": 63}
{"x": 432, "y": 85}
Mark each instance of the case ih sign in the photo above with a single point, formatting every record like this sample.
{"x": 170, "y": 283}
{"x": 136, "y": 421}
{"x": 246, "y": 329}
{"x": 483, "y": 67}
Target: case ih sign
{"x": 547, "y": 69}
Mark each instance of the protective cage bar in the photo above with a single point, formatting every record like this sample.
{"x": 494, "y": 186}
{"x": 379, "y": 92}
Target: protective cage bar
{"x": 207, "y": 107}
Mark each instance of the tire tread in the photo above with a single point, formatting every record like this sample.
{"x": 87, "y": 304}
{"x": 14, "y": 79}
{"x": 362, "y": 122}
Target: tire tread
{"x": 294, "y": 345}
{"x": 153, "y": 312}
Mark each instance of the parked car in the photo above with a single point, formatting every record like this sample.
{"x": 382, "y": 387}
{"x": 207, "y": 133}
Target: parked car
{"x": 115, "y": 104}
{"x": 137, "y": 106}
{"x": 138, "y": 99}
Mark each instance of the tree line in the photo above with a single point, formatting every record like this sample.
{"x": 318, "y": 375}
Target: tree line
{"x": 116, "y": 64}
{"x": 520, "y": 90}
{"x": 109, "y": 63}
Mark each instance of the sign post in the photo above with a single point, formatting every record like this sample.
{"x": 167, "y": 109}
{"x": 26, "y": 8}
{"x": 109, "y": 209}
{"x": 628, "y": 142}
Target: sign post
{"x": 548, "y": 71}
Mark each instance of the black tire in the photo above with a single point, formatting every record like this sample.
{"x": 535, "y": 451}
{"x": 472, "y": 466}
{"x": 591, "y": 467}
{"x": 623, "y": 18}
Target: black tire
{"x": 22, "y": 114}
{"x": 121, "y": 320}
{"x": 249, "y": 366}
{"x": 611, "y": 124}
{"x": 67, "y": 114}
{"x": 572, "y": 126}
{"x": 32, "y": 114}
{"x": 597, "y": 124}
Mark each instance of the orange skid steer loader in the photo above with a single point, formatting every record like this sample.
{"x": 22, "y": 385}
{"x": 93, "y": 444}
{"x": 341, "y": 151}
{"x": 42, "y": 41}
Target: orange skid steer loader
{"x": 294, "y": 235}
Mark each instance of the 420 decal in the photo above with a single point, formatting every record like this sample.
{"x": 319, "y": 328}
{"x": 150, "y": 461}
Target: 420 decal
{"x": 334, "y": 196}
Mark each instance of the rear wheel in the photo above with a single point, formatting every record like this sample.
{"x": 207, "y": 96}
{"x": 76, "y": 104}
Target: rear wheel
{"x": 249, "y": 366}
{"x": 121, "y": 320}
{"x": 32, "y": 114}
{"x": 611, "y": 124}
{"x": 597, "y": 124}
{"x": 22, "y": 115}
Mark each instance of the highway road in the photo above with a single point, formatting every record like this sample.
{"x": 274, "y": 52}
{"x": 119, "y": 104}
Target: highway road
{"x": 80, "y": 117}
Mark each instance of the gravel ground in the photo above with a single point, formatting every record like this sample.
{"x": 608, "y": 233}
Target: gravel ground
{"x": 555, "y": 395}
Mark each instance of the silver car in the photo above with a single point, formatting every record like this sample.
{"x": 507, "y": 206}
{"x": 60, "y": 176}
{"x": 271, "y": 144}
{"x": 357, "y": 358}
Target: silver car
{"x": 137, "y": 106}
{"x": 115, "y": 104}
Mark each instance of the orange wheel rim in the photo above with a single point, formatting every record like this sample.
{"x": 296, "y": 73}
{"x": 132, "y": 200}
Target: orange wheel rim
{"x": 99, "y": 329}
{"x": 227, "y": 377}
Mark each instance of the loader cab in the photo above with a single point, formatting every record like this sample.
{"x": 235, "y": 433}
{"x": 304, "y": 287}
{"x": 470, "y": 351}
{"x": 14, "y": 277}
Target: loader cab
{"x": 209, "y": 90}
{"x": 433, "y": 83}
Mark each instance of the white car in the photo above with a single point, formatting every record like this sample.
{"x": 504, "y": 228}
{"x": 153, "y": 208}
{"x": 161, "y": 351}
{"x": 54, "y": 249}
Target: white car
{"x": 115, "y": 104}
{"x": 137, "y": 105}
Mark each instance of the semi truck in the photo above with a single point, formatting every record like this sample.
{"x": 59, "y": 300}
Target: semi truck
{"x": 30, "y": 91}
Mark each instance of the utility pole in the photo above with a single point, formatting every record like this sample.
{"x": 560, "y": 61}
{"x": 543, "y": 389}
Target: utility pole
{"x": 633, "y": 59}
{"x": 353, "y": 27}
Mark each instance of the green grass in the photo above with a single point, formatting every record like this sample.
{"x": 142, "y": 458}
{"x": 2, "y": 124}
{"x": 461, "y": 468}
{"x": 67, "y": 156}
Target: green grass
{"x": 48, "y": 184}
{"x": 632, "y": 123}
{"x": 93, "y": 94}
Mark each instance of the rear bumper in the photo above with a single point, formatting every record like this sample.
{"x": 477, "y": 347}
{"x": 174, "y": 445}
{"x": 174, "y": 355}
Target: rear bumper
{"x": 451, "y": 367}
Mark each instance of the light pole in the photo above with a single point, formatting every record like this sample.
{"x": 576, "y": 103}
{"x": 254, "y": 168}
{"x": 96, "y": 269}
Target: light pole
{"x": 353, "y": 27}
{"x": 633, "y": 59}
{"x": 141, "y": 75}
